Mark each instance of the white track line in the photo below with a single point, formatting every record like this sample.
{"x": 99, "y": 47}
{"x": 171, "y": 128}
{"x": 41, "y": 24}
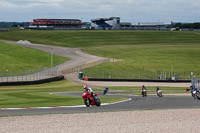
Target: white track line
{"x": 78, "y": 106}
{"x": 117, "y": 102}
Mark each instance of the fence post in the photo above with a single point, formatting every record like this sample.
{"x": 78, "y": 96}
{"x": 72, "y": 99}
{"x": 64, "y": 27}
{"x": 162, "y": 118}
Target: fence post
{"x": 12, "y": 78}
{"x": 139, "y": 74}
{"x": 128, "y": 75}
{"x": 1, "y": 77}
{"x": 57, "y": 71}
{"x": 30, "y": 74}
{"x": 133, "y": 75}
{"x": 7, "y": 75}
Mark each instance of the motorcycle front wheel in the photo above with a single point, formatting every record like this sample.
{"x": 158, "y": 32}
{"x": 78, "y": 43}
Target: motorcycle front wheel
{"x": 98, "y": 102}
{"x": 87, "y": 102}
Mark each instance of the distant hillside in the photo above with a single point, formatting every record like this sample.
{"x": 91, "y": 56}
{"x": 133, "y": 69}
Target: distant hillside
{"x": 16, "y": 58}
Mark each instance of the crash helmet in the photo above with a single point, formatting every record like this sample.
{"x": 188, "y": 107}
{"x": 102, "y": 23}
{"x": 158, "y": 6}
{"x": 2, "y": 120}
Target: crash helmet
{"x": 85, "y": 87}
{"x": 142, "y": 86}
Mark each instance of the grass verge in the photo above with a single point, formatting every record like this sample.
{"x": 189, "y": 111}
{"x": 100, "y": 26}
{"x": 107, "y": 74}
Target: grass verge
{"x": 39, "y": 95}
{"x": 151, "y": 90}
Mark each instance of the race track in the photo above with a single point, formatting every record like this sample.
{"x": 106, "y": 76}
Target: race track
{"x": 132, "y": 103}
{"x": 136, "y": 102}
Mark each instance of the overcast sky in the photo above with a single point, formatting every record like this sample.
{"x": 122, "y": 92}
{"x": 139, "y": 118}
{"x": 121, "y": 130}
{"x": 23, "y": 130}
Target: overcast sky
{"x": 127, "y": 10}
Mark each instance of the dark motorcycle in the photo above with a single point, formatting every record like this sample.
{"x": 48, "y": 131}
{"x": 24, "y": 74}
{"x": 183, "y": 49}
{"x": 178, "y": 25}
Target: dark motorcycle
{"x": 91, "y": 99}
{"x": 196, "y": 95}
{"x": 159, "y": 93}
{"x": 105, "y": 91}
{"x": 144, "y": 93}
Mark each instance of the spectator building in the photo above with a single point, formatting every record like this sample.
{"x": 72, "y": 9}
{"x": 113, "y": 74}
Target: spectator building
{"x": 112, "y": 23}
{"x": 55, "y": 24}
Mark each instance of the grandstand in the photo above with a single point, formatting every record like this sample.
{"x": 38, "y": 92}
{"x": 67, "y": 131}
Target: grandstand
{"x": 55, "y": 24}
{"x": 151, "y": 26}
{"x": 112, "y": 23}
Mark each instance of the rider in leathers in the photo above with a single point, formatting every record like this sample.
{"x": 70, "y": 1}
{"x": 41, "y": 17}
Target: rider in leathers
{"x": 87, "y": 91}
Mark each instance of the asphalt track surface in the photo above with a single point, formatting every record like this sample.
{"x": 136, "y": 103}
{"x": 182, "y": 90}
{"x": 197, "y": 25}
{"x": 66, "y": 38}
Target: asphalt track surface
{"x": 136, "y": 102}
{"x": 133, "y": 102}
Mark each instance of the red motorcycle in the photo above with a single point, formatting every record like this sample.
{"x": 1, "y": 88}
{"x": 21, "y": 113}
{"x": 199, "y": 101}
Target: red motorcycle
{"x": 91, "y": 99}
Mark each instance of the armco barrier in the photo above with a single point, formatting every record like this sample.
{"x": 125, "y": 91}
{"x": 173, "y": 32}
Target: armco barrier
{"x": 57, "y": 78}
{"x": 139, "y": 80}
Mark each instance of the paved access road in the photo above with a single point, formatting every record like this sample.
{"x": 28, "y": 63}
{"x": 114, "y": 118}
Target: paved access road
{"x": 75, "y": 54}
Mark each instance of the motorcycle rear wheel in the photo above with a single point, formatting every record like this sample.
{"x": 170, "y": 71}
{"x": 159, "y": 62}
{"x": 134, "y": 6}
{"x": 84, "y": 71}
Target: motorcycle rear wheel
{"x": 198, "y": 96}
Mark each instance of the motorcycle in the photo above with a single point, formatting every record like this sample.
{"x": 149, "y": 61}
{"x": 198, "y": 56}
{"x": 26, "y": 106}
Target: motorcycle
{"x": 159, "y": 93}
{"x": 144, "y": 93}
{"x": 91, "y": 99}
{"x": 105, "y": 91}
{"x": 196, "y": 95}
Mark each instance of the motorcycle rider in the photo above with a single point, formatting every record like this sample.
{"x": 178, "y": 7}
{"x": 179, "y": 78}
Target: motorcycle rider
{"x": 87, "y": 90}
{"x": 105, "y": 91}
{"x": 89, "y": 97}
{"x": 158, "y": 91}
{"x": 193, "y": 89}
{"x": 144, "y": 91}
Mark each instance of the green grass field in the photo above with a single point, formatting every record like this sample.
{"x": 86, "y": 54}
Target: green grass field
{"x": 145, "y": 51}
{"x": 151, "y": 90}
{"x": 148, "y": 60}
{"x": 95, "y": 38}
{"x": 18, "y": 58}
{"x": 39, "y": 95}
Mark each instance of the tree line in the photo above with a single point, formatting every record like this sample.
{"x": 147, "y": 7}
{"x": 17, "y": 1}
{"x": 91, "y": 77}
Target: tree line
{"x": 187, "y": 25}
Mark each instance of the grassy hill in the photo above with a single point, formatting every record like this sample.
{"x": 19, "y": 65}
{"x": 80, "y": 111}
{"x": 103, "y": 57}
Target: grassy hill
{"x": 147, "y": 60}
{"x": 17, "y": 58}
{"x": 146, "y": 51}
{"x": 102, "y": 38}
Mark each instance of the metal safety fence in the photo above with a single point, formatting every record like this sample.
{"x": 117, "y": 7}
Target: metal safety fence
{"x": 29, "y": 75}
{"x": 101, "y": 74}
{"x": 40, "y": 74}
{"x": 195, "y": 81}
{"x": 88, "y": 64}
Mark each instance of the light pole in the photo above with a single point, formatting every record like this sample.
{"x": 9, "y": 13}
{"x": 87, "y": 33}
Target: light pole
{"x": 51, "y": 57}
{"x": 172, "y": 69}
{"x": 7, "y": 75}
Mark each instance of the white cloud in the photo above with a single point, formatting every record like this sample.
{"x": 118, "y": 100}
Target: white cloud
{"x": 29, "y": 3}
{"x": 129, "y": 10}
